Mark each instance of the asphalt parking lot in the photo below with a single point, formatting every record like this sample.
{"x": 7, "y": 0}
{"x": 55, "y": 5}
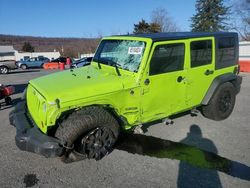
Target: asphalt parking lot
{"x": 141, "y": 165}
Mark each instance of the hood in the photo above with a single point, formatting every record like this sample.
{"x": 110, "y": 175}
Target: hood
{"x": 81, "y": 83}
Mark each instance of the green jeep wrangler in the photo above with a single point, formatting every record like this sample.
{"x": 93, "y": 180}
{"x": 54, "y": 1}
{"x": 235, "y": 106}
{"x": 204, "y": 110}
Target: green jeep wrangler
{"x": 132, "y": 80}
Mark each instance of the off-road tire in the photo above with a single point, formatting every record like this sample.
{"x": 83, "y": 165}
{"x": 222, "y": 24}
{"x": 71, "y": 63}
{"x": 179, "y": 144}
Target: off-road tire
{"x": 80, "y": 123}
{"x": 221, "y": 104}
{"x": 4, "y": 70}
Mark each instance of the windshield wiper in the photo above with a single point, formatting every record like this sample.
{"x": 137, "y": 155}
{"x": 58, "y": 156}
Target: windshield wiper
{"x": 109, "y": 62}
{"x": 114, "y": 64}
{"x": 98, "y": 62}
{"x": 99, "y": 65}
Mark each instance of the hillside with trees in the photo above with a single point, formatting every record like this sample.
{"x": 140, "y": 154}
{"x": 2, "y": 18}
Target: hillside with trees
{"x": 66, "y": 46}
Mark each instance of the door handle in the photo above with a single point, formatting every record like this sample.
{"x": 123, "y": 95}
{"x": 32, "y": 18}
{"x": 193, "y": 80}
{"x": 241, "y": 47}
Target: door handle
{"x": 147, "y": 81}
{"x": 180, "y": 78}
{"x": 208, "y": 72}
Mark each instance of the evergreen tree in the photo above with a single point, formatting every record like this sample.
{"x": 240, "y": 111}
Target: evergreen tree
{"x": 141, "y": 27}
{"x": 27, "y": 47}
{"x": 144, "y": 27}
{"x": 210, "y": 16}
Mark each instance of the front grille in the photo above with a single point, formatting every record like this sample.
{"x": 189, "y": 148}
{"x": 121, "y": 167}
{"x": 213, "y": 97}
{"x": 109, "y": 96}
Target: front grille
{"x": 34, "y": 111}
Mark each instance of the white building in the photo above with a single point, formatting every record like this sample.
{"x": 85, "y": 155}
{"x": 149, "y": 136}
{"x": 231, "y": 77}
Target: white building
{"x": 9, "y": 53}
{"x": 86, "y": 55}
{"x": 244, "y": 51}
{"x": 244, "y": 56}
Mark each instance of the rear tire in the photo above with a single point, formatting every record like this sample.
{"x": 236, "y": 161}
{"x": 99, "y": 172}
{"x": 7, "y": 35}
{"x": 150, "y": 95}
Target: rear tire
{"x": 91, "y": 131}
{"x": 4, "y": 70}
{"x": 221, "y": 104}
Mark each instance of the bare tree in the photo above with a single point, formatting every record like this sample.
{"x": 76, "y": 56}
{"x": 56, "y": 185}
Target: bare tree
{"x": 241, "y": 19}
{"x": 161, "y": 17}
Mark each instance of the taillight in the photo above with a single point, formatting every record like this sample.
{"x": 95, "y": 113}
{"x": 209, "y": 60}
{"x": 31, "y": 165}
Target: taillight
{"x": 9, "y": 90}
{"x": 237, "y": 69}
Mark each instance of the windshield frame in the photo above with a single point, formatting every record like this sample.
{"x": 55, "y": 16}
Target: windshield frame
{"x": 98, "y": 60}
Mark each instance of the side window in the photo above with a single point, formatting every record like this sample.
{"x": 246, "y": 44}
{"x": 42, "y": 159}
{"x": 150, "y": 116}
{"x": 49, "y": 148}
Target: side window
{"x": 201, "y": 53}
{"x": 167, "y": 58}
{"x": 226, "y": 51}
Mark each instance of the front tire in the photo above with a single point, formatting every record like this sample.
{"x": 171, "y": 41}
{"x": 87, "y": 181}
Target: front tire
{"x": 91, "y": 131}
{"x": 221, "y": 104}
{"x": 24, "y": 67}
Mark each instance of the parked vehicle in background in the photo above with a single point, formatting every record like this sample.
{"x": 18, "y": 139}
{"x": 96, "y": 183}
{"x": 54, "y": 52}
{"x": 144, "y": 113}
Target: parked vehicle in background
{"x": 59, "y": 60}
{"x": 7, "y": 65}
{"x": 81, "y": 62}
{"x": 54, "y": 64}
{"x": 36, "y": 62}
{"x": 5, "y": 92}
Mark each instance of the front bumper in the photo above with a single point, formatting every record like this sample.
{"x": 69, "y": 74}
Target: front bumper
{"x": 29, "y": 137}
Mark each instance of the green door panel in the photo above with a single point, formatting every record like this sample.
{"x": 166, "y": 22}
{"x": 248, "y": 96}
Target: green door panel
{"x": 199, "y": 78}
{"x": 164, "y": 93}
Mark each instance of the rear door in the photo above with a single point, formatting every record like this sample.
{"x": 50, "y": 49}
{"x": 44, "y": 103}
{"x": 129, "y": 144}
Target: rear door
{"x": 201, "y": 68}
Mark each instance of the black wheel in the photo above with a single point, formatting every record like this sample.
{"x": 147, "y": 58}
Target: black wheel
{"x": 4, "y": 70}
{"x": 91, "y": 131}
{"x": 96, "y": 144}
{"x": 24, "y": 67}
{"x": 8, "y": 100}
{"x": 221, "y": 104}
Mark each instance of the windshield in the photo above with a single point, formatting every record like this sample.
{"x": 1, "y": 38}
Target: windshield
{"x": 125, "y": 54}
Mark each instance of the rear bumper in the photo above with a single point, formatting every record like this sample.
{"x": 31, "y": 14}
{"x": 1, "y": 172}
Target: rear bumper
{"x": 29, "y": 137}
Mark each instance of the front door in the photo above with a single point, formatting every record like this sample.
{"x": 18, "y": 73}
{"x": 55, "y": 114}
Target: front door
{"x": 164, "y": 86}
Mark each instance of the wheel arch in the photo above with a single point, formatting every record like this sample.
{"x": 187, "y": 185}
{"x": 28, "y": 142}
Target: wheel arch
{"x": 120, "y": 119}
{"x": 229, "y": 77}
{"x": 2, "y": 65}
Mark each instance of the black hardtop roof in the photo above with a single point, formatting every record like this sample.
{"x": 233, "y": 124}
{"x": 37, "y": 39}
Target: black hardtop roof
{"x": 181, "y": 35}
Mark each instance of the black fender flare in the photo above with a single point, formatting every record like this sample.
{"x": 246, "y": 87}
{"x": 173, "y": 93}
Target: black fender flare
{"x": 229, "y": 77}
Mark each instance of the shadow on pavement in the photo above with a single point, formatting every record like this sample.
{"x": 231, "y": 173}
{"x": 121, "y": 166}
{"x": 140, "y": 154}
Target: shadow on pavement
{"x": 23, "y": 71}
{"x": 195, "y": 163}
{"x": 3, "y": 106}
{"x": 19, "y": 88}
{"x": 198, "y": 177}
